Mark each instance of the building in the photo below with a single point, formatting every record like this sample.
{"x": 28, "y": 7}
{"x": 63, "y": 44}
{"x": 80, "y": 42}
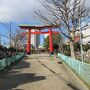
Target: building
{"x": 85, "y": 36}
{"x": 35, "y": 39}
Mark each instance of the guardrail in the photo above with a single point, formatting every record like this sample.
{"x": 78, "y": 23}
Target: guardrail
{"x": 8, "y": 61}
{"x": 82, "y": 70}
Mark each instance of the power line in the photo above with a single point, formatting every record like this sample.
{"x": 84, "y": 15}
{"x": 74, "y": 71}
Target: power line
{"x": 7, "y": 33}
{"x": 4, "y": 25}
{"x": 5, "y": 21}
{"x": 9, "y": 28}
{"x": 4, "y": 36}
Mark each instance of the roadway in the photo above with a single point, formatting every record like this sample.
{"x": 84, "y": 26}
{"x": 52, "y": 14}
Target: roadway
{"x": 37, "y": 72}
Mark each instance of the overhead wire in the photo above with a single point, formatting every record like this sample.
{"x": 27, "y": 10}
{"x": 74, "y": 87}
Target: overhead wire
{"x": 4, "y": 36}
{"x": 4, "y": 22}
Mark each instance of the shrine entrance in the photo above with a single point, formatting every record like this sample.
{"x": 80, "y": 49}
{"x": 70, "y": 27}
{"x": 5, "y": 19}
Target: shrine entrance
{"x": 39, "y": 28}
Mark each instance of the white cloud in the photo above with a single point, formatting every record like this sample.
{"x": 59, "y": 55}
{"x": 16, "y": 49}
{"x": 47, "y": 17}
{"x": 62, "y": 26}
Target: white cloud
{"x": 18, "y": 10}
{"x": 88, "y": 3}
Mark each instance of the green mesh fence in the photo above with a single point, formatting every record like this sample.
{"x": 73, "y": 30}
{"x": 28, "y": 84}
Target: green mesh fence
{"x": 7, "y": 61}
{"x": 82, "y": 70}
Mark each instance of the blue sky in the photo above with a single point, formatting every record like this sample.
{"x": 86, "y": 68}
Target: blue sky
{"x": 18, "y": 12}
{"x": 5, "y": 28}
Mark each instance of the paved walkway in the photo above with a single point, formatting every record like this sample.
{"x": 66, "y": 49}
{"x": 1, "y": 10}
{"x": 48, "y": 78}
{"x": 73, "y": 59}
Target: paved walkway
{"x": 36, "y": 72}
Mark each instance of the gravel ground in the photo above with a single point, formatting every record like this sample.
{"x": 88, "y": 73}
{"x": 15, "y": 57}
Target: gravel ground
{"x": 37, "y": 72}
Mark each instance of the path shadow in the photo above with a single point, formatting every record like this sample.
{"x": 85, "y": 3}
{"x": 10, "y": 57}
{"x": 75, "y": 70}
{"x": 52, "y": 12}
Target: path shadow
{"x": 22, "y": 64}
{"x": 8, "y": 82}
{"x": 27, "y": 57}
{"x": 17, "y": 65}
{"x": 44, "y": 56}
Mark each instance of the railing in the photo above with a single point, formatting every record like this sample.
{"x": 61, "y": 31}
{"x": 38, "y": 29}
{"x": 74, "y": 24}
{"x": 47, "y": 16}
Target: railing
{"x": 8, "y": 61}
{"x": 82, "y": 70}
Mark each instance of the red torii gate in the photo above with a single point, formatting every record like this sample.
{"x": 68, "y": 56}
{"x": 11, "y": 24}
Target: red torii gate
{"x": 39, "y": 28}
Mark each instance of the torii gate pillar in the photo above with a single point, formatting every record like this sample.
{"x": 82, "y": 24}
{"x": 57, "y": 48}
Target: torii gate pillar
{"x": 28, "y": 42}
{"x": 50, "y": 41}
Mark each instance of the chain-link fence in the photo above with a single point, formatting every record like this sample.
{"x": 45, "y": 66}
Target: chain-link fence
{"x": 81, "y": 69}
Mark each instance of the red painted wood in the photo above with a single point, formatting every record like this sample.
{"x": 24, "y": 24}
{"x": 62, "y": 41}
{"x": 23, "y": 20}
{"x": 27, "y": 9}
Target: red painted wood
{"x": 50, "y": 41}
{"x": 54, "y": 32}
{"x": 28, "y": 42}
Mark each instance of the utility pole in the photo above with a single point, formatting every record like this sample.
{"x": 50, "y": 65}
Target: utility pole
{"x": 0, "y": 39}
{"x": 81, "y": 40}
{"x": 10, "y": 35}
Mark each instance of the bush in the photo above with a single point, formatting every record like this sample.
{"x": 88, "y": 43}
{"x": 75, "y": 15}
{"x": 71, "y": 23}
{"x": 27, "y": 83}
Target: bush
{"x": 67, "y": 53}
{"x": 12, "y": 49}
{"x": 86, "y": 47}
{"x": 76, "y": 46}
{"x": 8, "y": 52}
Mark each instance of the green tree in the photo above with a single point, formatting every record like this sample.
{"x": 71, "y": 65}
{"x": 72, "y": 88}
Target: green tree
{"x": 57, "y": 40}
{"x": 46, "y": 42}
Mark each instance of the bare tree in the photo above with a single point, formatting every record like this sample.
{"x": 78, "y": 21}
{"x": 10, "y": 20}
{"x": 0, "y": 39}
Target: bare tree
{"x": 64, "y": 13}
{"x": 17, "y": 38}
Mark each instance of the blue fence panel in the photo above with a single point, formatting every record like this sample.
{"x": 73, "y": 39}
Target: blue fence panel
{"x": 83, "y": 70}
{"x": 2, "y": 64}
{"x": 7, "y": 61}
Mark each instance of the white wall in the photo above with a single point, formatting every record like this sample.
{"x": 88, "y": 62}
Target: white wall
{"x": 86, "y": 33}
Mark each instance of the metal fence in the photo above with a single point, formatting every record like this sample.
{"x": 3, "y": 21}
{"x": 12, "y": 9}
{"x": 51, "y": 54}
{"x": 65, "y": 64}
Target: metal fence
{"x": 8, "y": 61}
{"x": 82, "y": 70}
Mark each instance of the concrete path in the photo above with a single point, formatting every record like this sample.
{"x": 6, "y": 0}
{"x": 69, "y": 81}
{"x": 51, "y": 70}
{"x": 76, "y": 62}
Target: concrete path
{"x": 37, "y": 72}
